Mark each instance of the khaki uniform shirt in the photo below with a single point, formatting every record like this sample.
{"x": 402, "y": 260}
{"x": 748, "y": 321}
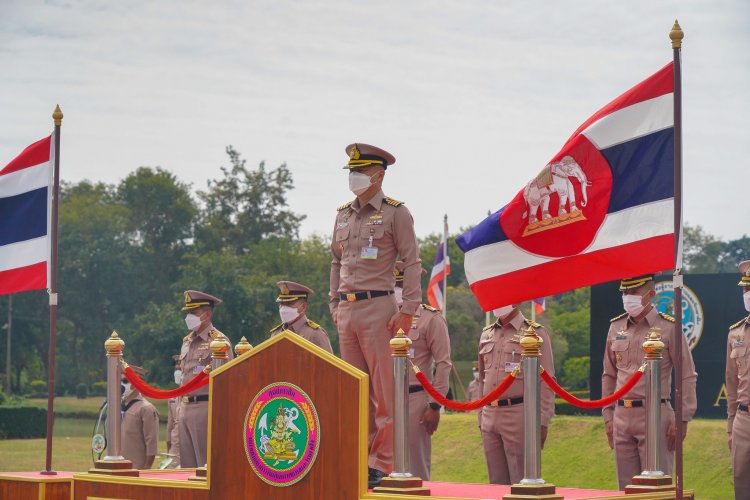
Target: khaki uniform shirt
{"x": 500, "y": 352}
{"x": 430, "y": 347}
{"x": 365, "y": 244}
{"x": 737, "y": 373}
{"x": 308, "y": 330}
{"x": 473, "y": 393}
{"x": 196, "y": 354}
{"x": 140, "y": 432}
{"x": 623, "y": 355}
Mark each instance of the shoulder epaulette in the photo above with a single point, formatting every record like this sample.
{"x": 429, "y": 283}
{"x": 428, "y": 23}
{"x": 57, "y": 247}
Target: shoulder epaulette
{"x": 274, "y": 328}
{"x": 345, "y": 205}
{"x": 313, "y": 324}
{"x": 392, "y": 202}
{"x": 667, "y": 317}
{"x": 429, "y": 308}
{"x": 488, "y": 327}
{"x": 618, "y": 317}
{"x": 738, "y": 323}
{"x": 186, "y": 337}
{"x": 532, "y": 323}
{"x": 216, "y": 334}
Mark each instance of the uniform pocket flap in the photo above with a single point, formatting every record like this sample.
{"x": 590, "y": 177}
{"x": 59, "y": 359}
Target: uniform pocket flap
{"x": 620, "y": 345}
{"x": 738, "y": 352}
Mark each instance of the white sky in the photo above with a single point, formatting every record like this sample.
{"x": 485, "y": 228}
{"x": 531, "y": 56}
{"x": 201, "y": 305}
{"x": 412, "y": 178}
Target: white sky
{"x": 472, "y": 97}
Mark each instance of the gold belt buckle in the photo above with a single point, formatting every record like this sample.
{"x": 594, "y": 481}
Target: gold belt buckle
{"x": 185, "y": 399}
{"x": 494, "y": 404}
{"x": 351, "y": 297}
{"x": 628, "y": 403}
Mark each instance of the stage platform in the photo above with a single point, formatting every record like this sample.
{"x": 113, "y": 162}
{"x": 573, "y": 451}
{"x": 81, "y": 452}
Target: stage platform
{"x": 32, "y": 485}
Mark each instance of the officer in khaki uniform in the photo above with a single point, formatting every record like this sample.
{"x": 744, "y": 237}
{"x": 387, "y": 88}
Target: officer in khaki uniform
{"x": 368, "y": 235}
{"x": 431, "y": 353}
{"x": 472, "y": 392}
{"x": 140, "y": 425}
{"x": 173, "y": 418}
{"x": 738, "y": 392}
{"x": 502, "y": 420}
{"x": 625, "y": 422}
{"x": 292, "y": 302}
{"x": 194, "y": 356}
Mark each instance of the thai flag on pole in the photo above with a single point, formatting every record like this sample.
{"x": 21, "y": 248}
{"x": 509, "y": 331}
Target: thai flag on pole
{"x": 25, "y": 204}
{"x": 539, "y": 306}
{"x": 602, "y": 209}
{"x": 440, "y": 269}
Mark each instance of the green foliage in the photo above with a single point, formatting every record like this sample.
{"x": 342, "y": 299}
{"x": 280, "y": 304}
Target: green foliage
{"x": 39, "y": 387}
{"x": 22, "y": 422}
{"x": 99, "y": 388}
{"x": 704, "y": 253}
{"x": 3, "y": 398}
{"x": 82, "y": 391}
{"x": 575, "y": 372}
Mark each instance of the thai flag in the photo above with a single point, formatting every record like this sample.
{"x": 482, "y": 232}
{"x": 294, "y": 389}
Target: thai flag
{"x": 440, "y": 269}
{"x": 539, "y": 306}
{"x": 25, "y": 202}
{"x": 602, "y": 209}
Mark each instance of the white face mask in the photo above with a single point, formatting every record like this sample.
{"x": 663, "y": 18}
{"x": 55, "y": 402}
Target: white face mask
{"x": 502, "y": 312}
{"x": 476, "y": 375}
{"x": 746, "y": 298}
{"x": 359, "y": 183}
{"x": 288, "y": 314}
{"x": 398, "y": 292}
{"x": 633, "y": 304}
{"x": 193, "y": 322}
{"x": 126, "y": 389}
{"x": 177, "y": 376}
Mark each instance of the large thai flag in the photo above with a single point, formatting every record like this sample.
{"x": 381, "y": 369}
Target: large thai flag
{"x": 440, "y": 269}
{"x": 602, "y": 209}
{"x": 25, "y": 190}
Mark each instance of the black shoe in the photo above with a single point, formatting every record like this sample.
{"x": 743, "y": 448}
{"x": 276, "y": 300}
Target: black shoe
{"x": 374, "y": 476}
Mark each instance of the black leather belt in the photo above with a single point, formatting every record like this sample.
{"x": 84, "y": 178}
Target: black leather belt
{"x": 507, "y": 402}
{"x": 634, "y": 403}
{"x": 742, "y": 407}
{"x": 355, "y": 296}
{"x": 415, "y": 388}
{"x": 194, "y": 399}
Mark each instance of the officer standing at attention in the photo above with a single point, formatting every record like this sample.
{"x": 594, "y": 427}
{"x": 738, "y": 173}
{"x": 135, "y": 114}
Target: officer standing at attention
{"x": 292, "y": 302}
{"x": 738, "y": 392}
{"x": 502, "y": 420}
{"x": 140, "y": 425}
{"x": 431, "y": 353}
{"x": 368, "y": 235}
{"x": 472, "y": 392}
{"x": 625, "y": 423}
{"x": 173, "y": 418}
{"x": 194, "y": 356}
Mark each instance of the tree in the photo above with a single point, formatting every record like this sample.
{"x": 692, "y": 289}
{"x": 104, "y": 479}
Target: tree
{"x": 575, "y": 372}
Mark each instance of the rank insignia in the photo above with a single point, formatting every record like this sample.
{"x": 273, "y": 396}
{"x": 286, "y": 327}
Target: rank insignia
{"x": 618, "y": 356}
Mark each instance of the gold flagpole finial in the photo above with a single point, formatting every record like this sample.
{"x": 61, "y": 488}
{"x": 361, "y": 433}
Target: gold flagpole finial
{"x": 676, "y": 35}
{"x": 57, "y": 115}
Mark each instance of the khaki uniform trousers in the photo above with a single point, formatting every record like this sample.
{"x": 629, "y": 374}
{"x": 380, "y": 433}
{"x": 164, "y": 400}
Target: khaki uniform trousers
{"x": 193, "y": 434}
{"x": 420, "y": 443}
{"x": 364, "y": 341}
{"x": 741, "y": 455}
{"x": 502, "y": 439}
{"x": 629, "y": 435}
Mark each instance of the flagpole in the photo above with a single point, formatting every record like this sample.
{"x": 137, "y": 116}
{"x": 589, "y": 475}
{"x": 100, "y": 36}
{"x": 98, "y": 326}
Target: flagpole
{"x": 445, "y": 269}
{"x": 55, "y": 197}
{"x": 676, "y": 35}
{"x": 533, "y": 310}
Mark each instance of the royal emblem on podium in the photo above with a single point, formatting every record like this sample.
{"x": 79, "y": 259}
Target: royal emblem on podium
{"x": 282, "y": 434}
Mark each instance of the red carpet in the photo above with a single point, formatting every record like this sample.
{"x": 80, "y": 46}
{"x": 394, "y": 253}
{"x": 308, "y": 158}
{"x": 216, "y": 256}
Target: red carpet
{"x": 496, "y": 491}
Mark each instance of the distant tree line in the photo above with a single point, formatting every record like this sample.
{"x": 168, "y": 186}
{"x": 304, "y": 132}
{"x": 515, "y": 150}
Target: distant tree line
{"x": 128, "y": 251}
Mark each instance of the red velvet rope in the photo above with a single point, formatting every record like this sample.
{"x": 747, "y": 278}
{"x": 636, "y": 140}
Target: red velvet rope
{"x": 598, "y": 403}
{"x": 469, "y": 405}
{"x": 195, "y": 383}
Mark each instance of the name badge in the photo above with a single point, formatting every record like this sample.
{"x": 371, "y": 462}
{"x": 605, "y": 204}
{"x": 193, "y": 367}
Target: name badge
{"x": 197, "y": 369}
{"x": 369, "y": 253}
{"x": 342, "y": 225}
{"x": 510, "y": 366}
{"x": 621, "y": 337}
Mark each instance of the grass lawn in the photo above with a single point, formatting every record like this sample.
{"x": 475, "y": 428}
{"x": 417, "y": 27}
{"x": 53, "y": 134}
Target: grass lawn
{"x": 576, "y": 453}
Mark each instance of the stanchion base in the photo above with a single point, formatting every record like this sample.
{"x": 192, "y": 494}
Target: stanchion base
{"x": 114, "y": 468}
{"x": 649, "y": 484}
{"x": 200, "y": 474}
{"x": 402, "y": 486}
{"x": 544, "y": 491}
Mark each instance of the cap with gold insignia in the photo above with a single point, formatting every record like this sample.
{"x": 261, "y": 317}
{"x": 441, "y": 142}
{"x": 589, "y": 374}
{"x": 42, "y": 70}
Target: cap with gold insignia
{"x": 631, "y": 283}
{"x": 475, "y": 365}
{"x": 364, "y": 155}
{"x": 141, "y": 372}
{"x": 289, "y": 291}
{"x": 195, "y": 299}
{"x": 398, "y": 272}
{"x": 745, "y": 272}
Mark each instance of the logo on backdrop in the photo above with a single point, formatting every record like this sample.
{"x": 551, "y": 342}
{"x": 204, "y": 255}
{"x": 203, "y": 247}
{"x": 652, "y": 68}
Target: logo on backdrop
{"x": 692, "y": 311}
{"x": 282, "y": 434}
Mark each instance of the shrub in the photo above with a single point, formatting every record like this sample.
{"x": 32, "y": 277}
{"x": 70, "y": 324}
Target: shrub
{"x": 3, "y": 398}
{"x": 22, "y": 422}
{"x": 99, "y": 388}
{"x": 82, "y": 391}
{"x": 38, "y": 389}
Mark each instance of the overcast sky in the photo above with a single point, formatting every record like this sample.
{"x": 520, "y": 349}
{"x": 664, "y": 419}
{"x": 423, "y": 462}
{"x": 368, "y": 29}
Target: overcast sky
{"x": 472, "y": 97}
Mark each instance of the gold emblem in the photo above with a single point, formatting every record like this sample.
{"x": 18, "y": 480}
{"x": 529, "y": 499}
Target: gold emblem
{"x": 618, "y": 356}
{"x": 351, "y": 297}
{"x": 188, "y": 299}
{"x": 354, "y": 153}
{"x": 628, "y": 403}
{"x": 284, "y": 290}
